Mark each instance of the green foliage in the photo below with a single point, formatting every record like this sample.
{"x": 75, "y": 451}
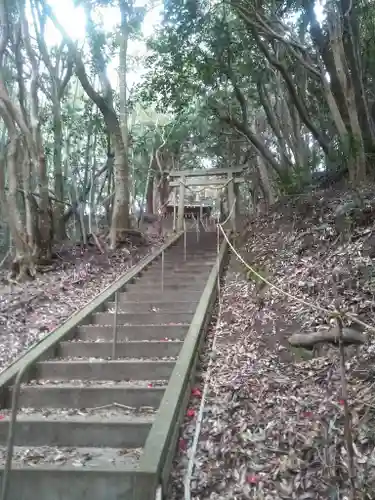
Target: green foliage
{"x": 295, "y": 180}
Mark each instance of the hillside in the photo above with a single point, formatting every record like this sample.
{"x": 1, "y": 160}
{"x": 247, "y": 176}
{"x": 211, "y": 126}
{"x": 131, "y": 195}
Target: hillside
{"x": 274, "y": 416}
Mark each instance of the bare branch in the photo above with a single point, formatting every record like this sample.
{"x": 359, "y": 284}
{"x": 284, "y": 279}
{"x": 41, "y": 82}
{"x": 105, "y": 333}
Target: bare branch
{"x": 4, "y": 31}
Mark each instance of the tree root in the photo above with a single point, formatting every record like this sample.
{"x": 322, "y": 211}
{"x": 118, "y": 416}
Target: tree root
{"x": 133, "y": 235}
{"x": 22, "y": 269}
{"x": 350, "y": 336}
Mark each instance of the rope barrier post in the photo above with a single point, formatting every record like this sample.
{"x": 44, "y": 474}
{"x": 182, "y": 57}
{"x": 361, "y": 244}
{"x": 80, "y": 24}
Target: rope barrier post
{"x": 174, "y": 209}
{"x": 217, "y": 256}
{"x": 162, "y": 271}
{"x": 114, "y": 338}
{"x": 184, "y": 240}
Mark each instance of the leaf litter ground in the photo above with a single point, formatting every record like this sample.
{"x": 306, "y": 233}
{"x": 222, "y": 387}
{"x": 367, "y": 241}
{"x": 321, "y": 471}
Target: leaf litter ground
{"x": 273, "y": 420}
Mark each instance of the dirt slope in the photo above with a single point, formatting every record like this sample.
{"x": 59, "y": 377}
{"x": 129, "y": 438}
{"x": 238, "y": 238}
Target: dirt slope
{"x": 273, "y": 419}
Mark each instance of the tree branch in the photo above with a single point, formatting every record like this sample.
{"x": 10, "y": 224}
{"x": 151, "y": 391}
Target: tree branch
{"x": 108, "y": 112}
{"x": 4, "y": 31}
{"x": 300, "y": 105}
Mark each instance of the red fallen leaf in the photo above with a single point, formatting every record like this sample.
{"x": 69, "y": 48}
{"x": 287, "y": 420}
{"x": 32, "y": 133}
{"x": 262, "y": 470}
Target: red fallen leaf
{"x": 341, "y": 402}
{"x": 2, "y": 417}
{"x": 190, "y": 413}
{"x": 182, "y": 444}
{"x": 149, "y": 385}
{"x": 307, "y": 414}
{"x": 252, "y": 479}
{"x": 196, "y": 392}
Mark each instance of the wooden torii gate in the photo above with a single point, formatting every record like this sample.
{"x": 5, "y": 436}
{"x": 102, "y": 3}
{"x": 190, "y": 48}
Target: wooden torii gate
{"x": 226, "y": 177}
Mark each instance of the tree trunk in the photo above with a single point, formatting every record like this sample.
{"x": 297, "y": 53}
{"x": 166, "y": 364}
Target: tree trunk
{"x": 120, "y": 207}
{"x": 123, "y": 72}
{"x": 120, "y": 211}
{"x": 274, "y": 124}
{"x": 23, "y": 264}
{"x": 150, "y": 195}
{"x": 58, "y": 172}
{"x": 356, "y": 153}
{"x": 43, "y": 247}
{"x": 351, "y": 41}
{"x": 265, "y": 182}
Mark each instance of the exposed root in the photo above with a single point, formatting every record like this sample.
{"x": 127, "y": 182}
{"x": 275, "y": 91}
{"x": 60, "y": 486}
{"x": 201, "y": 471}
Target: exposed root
{"x": 22, "y": 269}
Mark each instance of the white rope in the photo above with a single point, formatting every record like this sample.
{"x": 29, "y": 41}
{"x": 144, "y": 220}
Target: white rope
{"x": 271, "y": 285}
{"x": 158, "y": 494}
{"x": 217, "y": 188}
{"x": 193, "y": 450}
{"x": 229, "y": 216}
{"x": 222, "y": 186}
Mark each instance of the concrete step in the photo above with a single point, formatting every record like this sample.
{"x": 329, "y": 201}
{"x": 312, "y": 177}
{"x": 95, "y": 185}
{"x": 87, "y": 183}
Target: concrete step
{"x": 160, "y": 307}
{"x": 74, "y": 479}
{"x": 171, "y": 273}
{"x": 200, "y": 246}
{"x": 180, "y": 268}
{"x": 116, "y": 370}
{"x": 180, "y": 261}
{"x": 179, "y": 286}
{"x": 174, "y": 278}
{"x": 125, "y": 431}
{"x": 70, "y": 395}
{"x": 182, "y": 265}
{"x": 194, "y": 248}
{"x": 147, "y": 318}
{"x": 192, "y": 260}
{"x": 144, "y": 295}
{"x": 132, "y": 349}
{"x": 136, "y": 332}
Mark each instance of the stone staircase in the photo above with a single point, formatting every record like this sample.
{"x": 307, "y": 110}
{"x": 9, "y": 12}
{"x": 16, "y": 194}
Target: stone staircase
{"x": 83, "y": 415}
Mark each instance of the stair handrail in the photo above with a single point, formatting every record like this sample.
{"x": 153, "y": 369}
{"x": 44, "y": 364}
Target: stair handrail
{"x": 12, "y": 430}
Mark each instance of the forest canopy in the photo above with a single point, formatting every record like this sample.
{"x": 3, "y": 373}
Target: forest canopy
{"x": 283, "y": 88}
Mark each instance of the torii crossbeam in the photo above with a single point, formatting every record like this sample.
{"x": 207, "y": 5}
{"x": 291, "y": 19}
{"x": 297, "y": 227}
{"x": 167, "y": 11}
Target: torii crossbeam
{"x": 229, "y": 179}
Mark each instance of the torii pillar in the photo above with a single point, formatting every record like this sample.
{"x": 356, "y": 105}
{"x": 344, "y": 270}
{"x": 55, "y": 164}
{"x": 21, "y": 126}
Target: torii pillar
{"x": 231, "y": 200}
{"x": 181, "y": 205}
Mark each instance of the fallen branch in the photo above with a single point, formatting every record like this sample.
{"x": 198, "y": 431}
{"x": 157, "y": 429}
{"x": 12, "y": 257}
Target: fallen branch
{"x": 350, "y": 336}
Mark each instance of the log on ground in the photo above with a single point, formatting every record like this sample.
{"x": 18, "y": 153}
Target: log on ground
{"x": 350, "y": 336}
